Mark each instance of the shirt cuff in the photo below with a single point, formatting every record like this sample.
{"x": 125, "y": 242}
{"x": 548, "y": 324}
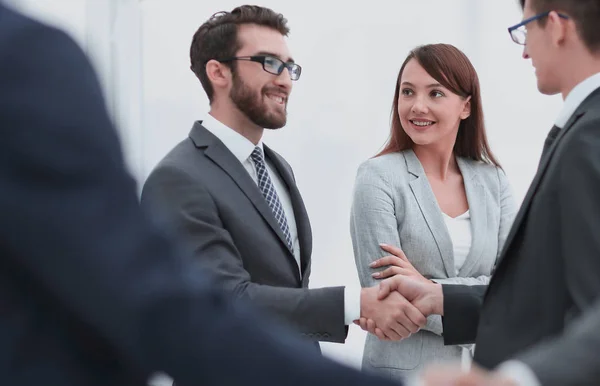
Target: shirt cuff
{"x": 519, "y": 373}
{"x": 351, "y": 304}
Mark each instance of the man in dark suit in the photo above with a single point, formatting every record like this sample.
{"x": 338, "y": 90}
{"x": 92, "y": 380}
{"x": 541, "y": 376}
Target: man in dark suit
{"x": 549, "y": 272}
{"x": 234, "y": 201}
{"x": 90, "y": 292}
{"x": 568, "y": 359}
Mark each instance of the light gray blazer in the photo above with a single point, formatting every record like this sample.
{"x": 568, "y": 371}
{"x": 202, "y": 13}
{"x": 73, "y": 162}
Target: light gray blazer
{"x": 394, "y": 204}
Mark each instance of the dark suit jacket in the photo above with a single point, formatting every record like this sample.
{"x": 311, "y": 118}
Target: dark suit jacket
{"x": 90, "y": 292}
{"x": 218, "y": 211}
{"x": 572, "y": 358}
{"x": 549, "y": 272}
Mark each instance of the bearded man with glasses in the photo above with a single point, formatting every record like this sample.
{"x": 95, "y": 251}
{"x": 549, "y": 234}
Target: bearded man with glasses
{"x": 234, "y": 201}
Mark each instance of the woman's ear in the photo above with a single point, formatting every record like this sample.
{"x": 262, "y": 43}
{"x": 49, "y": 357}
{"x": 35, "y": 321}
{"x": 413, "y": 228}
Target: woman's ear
{"x": 466, "y": 113}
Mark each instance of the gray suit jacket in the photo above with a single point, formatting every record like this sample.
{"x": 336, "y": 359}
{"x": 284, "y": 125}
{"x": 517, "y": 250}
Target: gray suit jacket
{"x": 394, "y": 204}
{"x": 219, "y": 213}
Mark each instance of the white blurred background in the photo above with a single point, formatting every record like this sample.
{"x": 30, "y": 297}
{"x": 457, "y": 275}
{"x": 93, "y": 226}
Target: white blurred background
{"x": 339, "y": 109}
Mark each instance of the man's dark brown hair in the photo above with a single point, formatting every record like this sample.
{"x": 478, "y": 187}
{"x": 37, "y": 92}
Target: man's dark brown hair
{"x": 217, "y": 38}
{"x": 585, "y": 14}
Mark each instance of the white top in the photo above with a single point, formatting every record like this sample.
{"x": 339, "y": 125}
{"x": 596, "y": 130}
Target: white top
{"x": 242, "y": 148}
{"x": 576, "y": 97}
{"x": 459, "y": 228}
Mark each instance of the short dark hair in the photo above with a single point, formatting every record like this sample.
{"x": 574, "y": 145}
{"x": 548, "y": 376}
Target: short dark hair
{"x": 217, "y": 38}
{"x": 585, "y": 14}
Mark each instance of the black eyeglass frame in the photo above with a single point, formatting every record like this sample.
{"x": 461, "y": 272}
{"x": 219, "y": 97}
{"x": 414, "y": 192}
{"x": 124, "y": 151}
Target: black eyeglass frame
{"x": 294, "y": 69}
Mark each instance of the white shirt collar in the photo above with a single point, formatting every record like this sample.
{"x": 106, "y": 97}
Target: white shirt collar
{"x": 240, "y": 146}
{"x": 576, "y": 97}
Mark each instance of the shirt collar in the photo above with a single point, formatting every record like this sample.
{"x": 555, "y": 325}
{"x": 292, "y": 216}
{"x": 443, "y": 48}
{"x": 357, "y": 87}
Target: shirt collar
{"x": 576, "y": 97}
{"x": 240, "y": 146}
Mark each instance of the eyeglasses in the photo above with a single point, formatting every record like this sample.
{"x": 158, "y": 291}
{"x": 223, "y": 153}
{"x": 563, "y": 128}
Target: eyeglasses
{"x": 271, "y": 64}
{"x": 518, "y": 32}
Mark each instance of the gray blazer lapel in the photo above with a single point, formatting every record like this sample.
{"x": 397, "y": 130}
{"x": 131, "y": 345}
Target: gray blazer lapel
{"x": 476, "y": 196}
{"x": 220, "y": 155}
{"x": 431, "y": 211}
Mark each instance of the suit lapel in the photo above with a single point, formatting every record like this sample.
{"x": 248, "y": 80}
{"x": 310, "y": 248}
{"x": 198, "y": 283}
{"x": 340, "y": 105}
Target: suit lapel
{"x": 430, "y": 210}
{"x": 221, "y": 156}
{"x": 546, "y": 157}
{"x": 302, "y": 221}
{"x": 477, "y": 199}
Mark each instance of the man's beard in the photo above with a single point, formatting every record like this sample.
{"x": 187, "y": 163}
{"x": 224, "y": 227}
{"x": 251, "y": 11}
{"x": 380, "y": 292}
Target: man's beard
{"x": 254, "y": 107}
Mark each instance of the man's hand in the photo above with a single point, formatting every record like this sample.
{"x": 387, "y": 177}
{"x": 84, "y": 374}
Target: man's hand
{"x": 449, "y": 375}
{"x": 427, "y": 296}
{"x": 395, "y": 317}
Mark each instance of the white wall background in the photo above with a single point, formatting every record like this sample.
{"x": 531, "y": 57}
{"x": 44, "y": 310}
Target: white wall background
{"x": 338, "y": 111}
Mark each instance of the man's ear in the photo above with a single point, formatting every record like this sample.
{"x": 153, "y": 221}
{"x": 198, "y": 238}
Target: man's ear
{"x": 559, "y": 27}
{"x": 218, "y": 73}
{"x": 466, "y": 113}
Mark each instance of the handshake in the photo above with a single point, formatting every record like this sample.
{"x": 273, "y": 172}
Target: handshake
{"x": 400, "y": 304}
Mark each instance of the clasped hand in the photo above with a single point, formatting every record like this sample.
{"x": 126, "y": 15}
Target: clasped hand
{"x": 400, "y": 304}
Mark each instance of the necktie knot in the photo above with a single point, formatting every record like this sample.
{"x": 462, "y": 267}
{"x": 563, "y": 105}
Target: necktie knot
{"x": 554, "y": 132}
{"x": 550, "y": 139}
{"x": 257, "y": 155}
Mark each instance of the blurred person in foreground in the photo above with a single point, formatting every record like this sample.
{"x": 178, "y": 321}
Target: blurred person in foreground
{"x": 91, "y": 294}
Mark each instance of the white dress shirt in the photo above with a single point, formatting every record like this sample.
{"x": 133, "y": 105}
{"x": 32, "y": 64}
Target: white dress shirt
{"x": 519, "y": 372}
{"x": 242, "y": 148}
{"x": 576, "y": 97}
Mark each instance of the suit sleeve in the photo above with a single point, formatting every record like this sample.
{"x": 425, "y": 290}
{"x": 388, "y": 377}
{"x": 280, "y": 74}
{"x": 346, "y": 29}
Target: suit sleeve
{"x": 373, "y": 221}
{"x": 174, "y": 196}
{"x": 569, "y": 359}
{"x": 462, "y": 305}
{"x": 72, "y": 225}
